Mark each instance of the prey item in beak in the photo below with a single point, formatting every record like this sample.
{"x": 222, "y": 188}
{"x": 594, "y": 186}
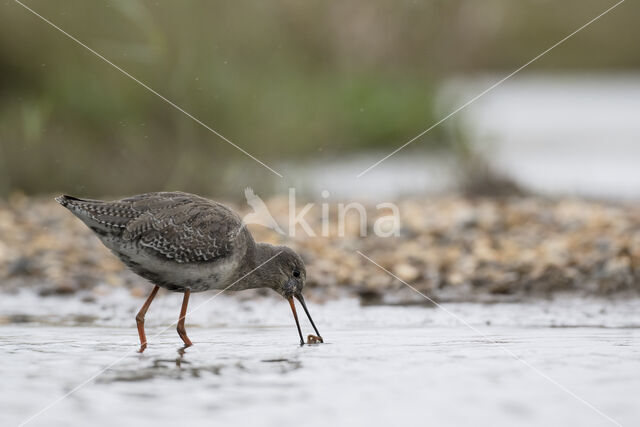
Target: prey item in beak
{"x": 312, "y": 339}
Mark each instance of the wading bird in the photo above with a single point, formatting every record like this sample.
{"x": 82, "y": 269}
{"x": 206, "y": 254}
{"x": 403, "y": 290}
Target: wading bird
{"x": 185, "y": 243}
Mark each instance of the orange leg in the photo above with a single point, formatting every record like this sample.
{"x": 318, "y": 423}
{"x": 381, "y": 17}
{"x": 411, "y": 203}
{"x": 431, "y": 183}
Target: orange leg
{"x": 140, "y": 319}
{"x": 183, "y": 313}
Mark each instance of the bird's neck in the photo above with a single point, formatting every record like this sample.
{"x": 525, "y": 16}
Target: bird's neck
{"x": 255, "y": 272}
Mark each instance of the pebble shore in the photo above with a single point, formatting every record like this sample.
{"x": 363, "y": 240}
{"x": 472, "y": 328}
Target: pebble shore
{"x": 448, "y": 249}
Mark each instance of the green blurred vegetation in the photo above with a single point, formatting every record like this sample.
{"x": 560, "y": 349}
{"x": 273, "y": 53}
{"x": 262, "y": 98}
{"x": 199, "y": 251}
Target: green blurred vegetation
{"x": 282, "y": 79}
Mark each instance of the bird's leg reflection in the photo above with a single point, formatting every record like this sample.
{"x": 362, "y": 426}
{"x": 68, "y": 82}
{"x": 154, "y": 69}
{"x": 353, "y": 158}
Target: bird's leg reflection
{"x": 181, "y": 352}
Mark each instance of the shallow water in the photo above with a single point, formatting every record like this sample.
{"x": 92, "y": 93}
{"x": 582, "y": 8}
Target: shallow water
{"x": 555, "y": 134}
{"x": 380, "y": 365}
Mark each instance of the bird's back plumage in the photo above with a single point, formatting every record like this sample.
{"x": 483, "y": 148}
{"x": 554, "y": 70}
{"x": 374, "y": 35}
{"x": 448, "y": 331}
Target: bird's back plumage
{"x": 178, "y": 226}
{"x": 176, "y": 240}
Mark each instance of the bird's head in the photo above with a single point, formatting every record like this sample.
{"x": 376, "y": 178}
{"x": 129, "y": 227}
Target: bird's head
{"x": 286, "y": 274}
{"x": 286, "y": 271}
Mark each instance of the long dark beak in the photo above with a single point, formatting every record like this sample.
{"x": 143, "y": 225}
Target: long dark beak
{"x": 299, "y": 297}
{"x": 295, "y": 316}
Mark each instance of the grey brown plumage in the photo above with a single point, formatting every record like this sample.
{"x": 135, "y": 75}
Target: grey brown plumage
{"x": 176, "y": 240}
{"x": 186, "y": 243}
{"x": 179, "y": 226}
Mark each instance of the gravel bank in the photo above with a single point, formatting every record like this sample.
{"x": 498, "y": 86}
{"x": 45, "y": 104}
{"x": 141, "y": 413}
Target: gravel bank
{"x": 449, "y": 248}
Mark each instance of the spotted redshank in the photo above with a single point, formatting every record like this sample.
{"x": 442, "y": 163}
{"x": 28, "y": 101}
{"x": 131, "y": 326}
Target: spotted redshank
{"x": 185, "y": 243}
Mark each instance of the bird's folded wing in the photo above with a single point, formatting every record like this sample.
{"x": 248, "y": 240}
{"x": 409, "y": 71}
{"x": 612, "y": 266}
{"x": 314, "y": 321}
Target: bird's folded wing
{"x": 184, "y": 229}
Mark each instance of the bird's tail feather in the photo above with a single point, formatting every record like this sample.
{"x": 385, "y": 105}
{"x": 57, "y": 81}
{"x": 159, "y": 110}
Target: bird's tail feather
{"x": 65, "y": 200}
{"x": 97, "y": 214}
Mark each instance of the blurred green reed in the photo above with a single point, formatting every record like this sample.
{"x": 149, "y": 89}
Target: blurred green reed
{"x": 285, "y": 80}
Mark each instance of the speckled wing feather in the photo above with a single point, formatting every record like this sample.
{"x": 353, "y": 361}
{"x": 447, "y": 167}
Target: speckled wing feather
{"x": 183, "y": 227}
{"x": 177, "y": 226}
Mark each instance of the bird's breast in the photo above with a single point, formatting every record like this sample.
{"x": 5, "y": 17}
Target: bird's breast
{"x": 173, "y": 275}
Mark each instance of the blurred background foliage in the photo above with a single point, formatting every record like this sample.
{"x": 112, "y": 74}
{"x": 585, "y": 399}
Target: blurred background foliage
{"x": 285, "y": 80}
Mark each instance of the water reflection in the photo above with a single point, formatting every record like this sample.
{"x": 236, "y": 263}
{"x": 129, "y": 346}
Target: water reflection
{"x": 182, "y": 367}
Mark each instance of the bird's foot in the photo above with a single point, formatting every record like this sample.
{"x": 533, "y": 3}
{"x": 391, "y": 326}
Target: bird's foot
{"x": 142, "y": 347}
{"x": 182, "y": 351}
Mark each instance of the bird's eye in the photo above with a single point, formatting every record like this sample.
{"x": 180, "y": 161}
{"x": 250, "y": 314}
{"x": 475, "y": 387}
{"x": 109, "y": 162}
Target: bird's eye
{"x": 296, "y": 273}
